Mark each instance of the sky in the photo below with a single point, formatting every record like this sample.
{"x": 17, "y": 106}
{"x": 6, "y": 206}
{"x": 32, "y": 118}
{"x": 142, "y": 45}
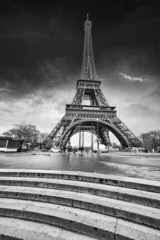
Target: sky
{"x": 41, "y": 48}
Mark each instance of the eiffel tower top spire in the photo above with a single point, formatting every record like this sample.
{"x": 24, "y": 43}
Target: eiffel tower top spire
{"x": 88, "y": 66}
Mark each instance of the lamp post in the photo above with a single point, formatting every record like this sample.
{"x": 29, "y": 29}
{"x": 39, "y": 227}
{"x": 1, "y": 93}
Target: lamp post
{"x": 91, "y": 142}
{"x": 97, "y": 137}
{"x": 79, "y": 139}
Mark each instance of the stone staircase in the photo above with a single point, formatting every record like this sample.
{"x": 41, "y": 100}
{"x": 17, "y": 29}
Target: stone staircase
{"x": 44, "y": 205}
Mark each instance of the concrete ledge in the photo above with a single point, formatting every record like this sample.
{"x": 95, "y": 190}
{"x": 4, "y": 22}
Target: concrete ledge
{"x": 132, "y": 231}
{"x": 76, "y": 220}
{"x": 84, "y": 222}
{"x": 12, "y": 228}
{"x": 84, "y": 204}
{"x": 141, "y": 184}
{"x": 131, "y": 195}
{"x": 106, "y": 206}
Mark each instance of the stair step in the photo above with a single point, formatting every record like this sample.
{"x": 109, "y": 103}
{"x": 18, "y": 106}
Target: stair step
{"x": 85, "y": 222}
{"x": 127, "y": 182}
{"x": 131, "y": 195}
{"x": 12, "y": 228}
{"x": 125, "y": 210}
{"x": 75, "y": 205}
{"x": 76, "y": 220}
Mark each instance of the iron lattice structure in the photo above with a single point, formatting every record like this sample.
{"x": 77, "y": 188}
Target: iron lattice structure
{"x": 88, "y": 66}
{"x": 90, "y": 110}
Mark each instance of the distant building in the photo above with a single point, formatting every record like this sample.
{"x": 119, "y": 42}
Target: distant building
{"x": 137, "y": 149}
{"x": 8, "y": 144}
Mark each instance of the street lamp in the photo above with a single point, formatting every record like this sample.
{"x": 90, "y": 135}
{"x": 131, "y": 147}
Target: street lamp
{"x": 97, "y": 136}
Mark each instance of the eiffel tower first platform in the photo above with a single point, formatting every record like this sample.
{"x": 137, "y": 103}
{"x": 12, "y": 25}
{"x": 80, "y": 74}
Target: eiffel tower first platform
{"x": 89, "y": 110}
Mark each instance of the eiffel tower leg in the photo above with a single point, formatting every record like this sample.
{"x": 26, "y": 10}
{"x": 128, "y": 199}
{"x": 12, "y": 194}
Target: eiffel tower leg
{"x": 66, "y": 138}
{"x": 50, "y": 139}
{"x": 131, "y": 139}
{"x": 53, "y": 139}
{"x": 104, "y": 136}
{"x": 107, "y": 141}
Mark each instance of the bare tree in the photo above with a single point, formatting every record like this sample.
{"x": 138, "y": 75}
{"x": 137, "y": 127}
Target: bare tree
{"x": 42, "y": 137}
{"x": 151, "y": 140}
{"x": 24, "y": 131}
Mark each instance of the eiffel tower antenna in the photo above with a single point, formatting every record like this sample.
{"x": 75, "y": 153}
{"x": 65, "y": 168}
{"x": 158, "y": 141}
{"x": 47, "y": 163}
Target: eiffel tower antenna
{"x": 88, "y": 66}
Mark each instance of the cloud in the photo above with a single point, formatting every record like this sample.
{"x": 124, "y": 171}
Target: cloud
{"x": 141, "y": 110}
{"x": 153, "y": 98}
{"x": 155, "y": 95}
{"x": 14, "y": 5}
{"x": 43, "y": 108}
{"x": 38, "y": 73}
{"x": 140, "y": 118}
{"x": 132, "y": 78}
{"x": 5, "y": 90}
{"x": 38, "y": 96}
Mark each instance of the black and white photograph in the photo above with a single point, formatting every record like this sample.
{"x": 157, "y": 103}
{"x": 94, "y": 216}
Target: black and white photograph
{"x": 79, "y": 120}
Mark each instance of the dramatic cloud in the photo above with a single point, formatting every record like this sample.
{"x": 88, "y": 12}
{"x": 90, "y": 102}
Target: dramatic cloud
{"x": 141, "y": 116}
{"x": 132, "y": 78}
{"x": 41, "y": 48}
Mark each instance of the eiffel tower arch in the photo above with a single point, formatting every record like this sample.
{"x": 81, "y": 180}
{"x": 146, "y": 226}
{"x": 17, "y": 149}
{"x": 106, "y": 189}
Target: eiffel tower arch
{"x": 89, "y": 110}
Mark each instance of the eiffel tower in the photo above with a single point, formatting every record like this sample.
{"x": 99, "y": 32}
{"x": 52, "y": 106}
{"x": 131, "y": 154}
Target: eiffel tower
{"x": 89, "y": 110}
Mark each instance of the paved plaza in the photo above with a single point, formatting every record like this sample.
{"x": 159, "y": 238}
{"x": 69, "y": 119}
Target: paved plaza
{"x": 139, "y": 165}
